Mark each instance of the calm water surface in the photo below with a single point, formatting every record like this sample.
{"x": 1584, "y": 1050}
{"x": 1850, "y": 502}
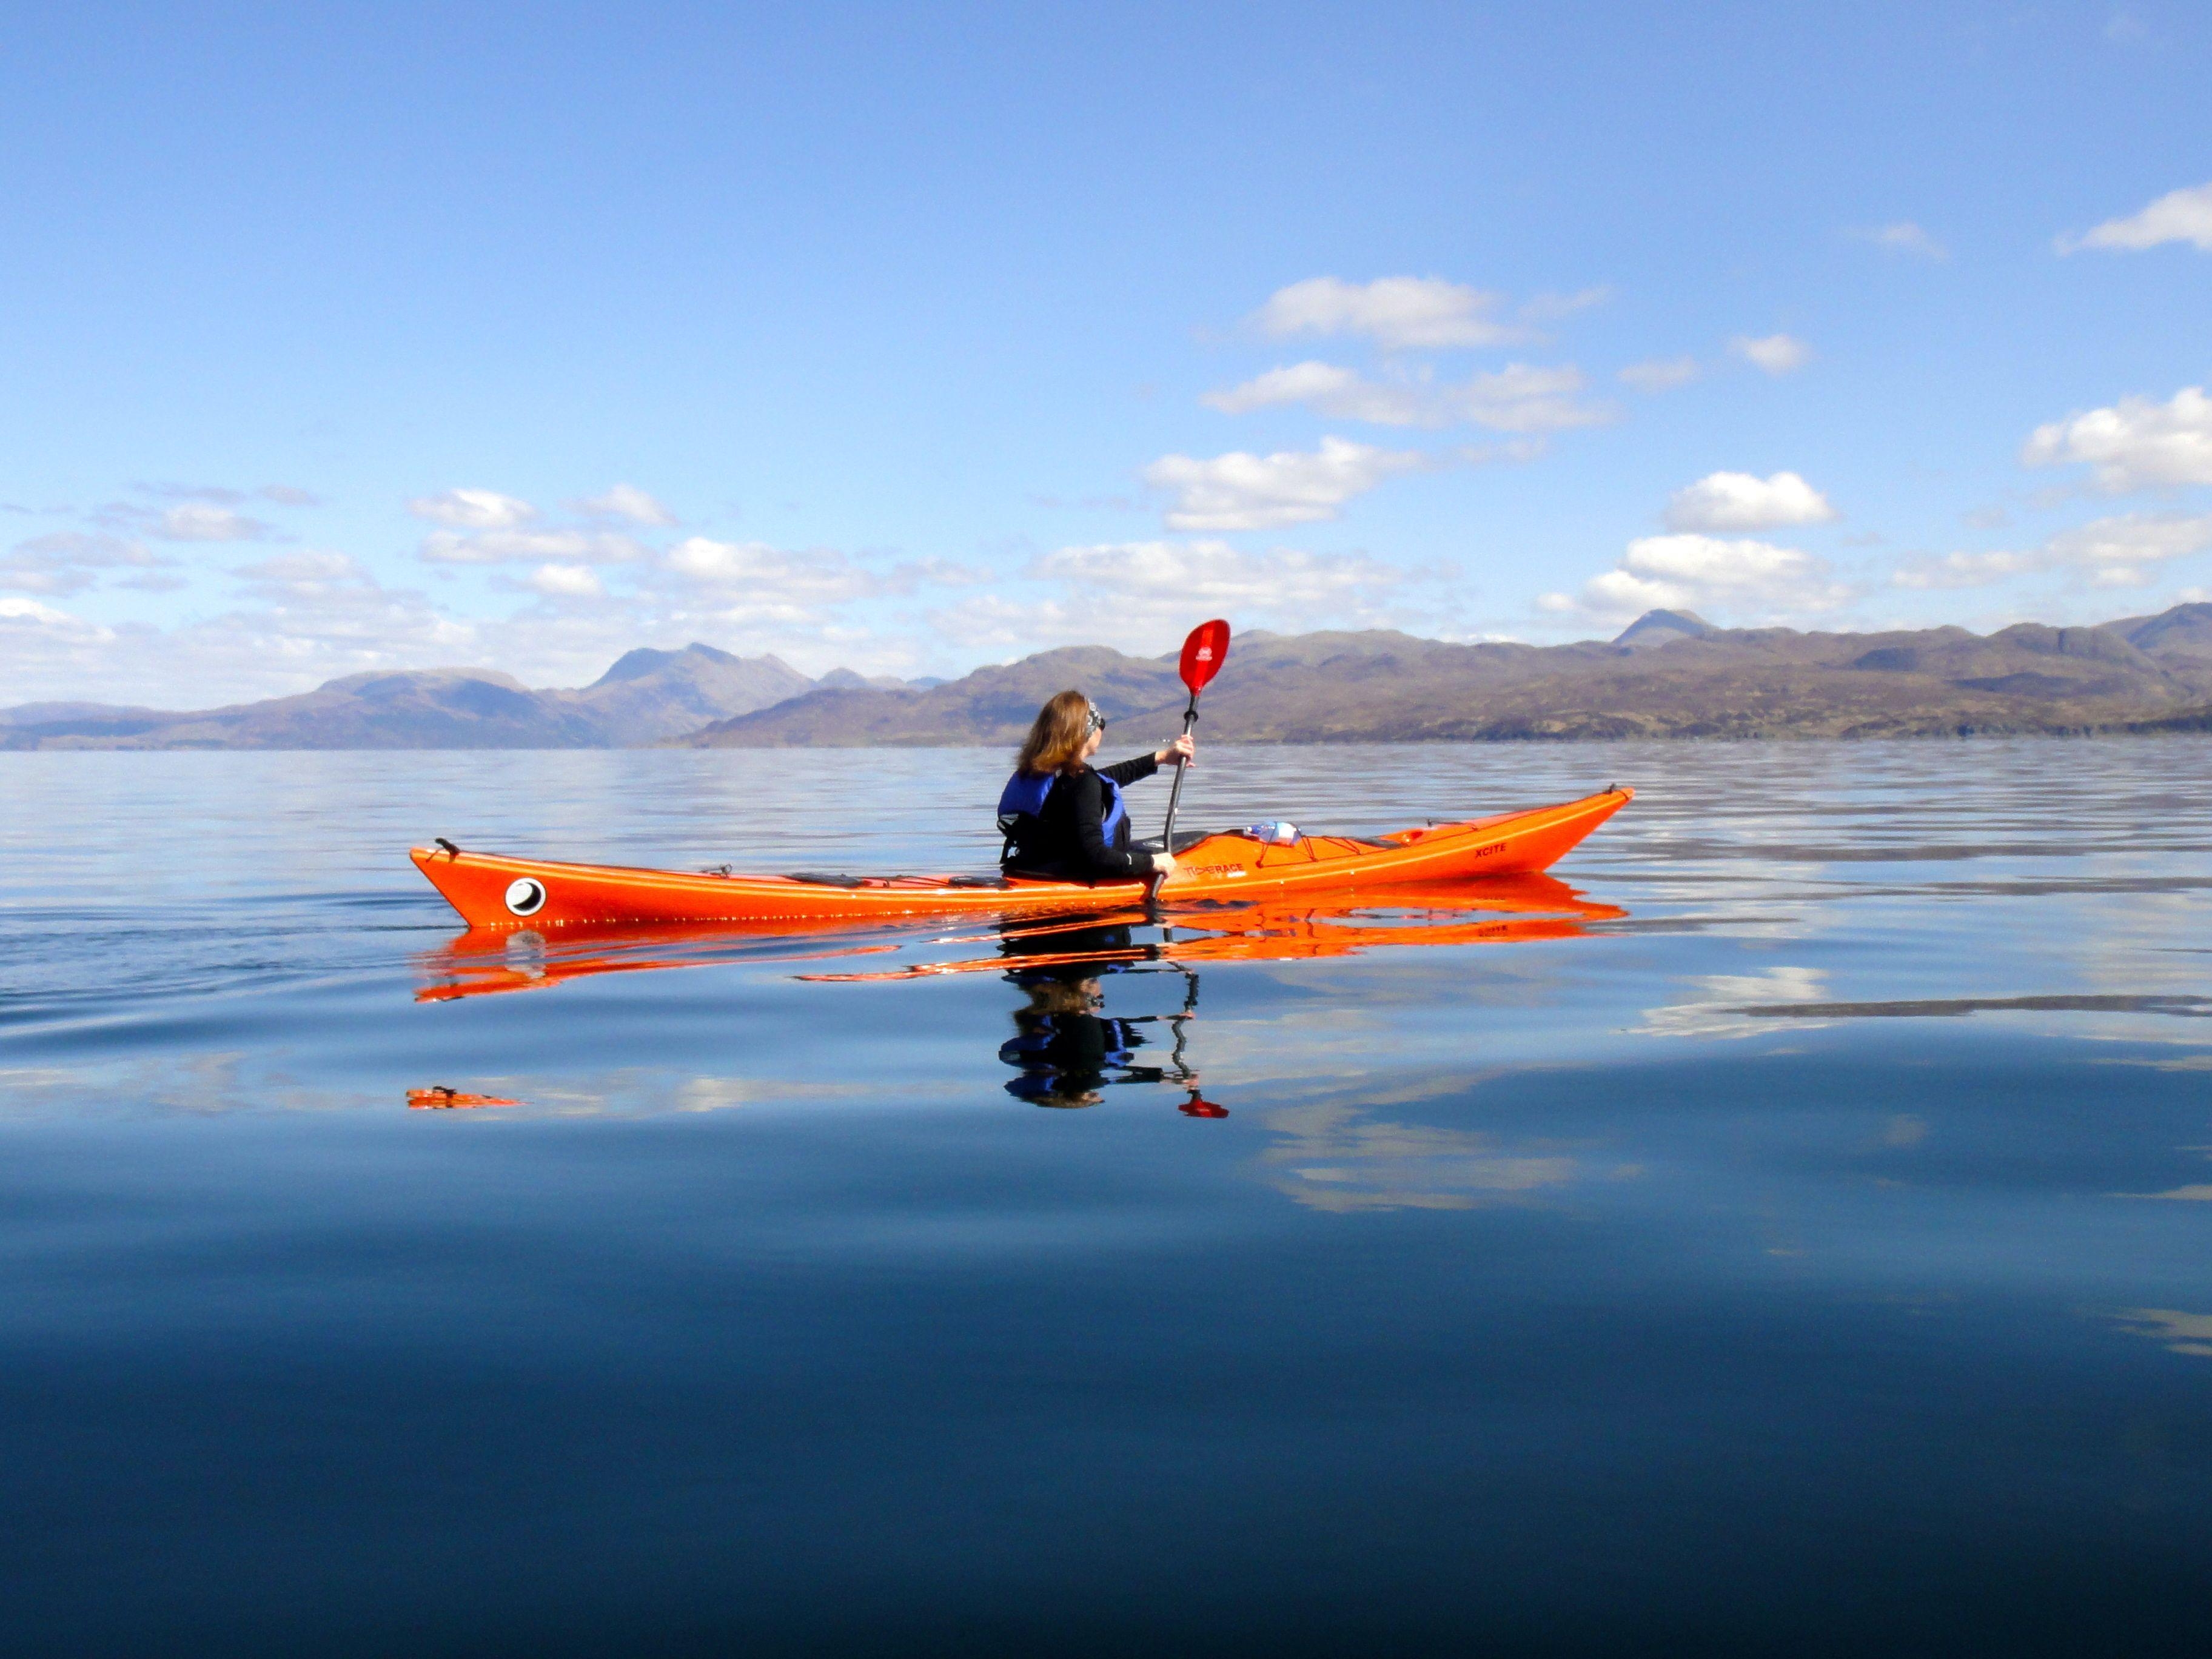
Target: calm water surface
{"x": 1789, "y": 1236}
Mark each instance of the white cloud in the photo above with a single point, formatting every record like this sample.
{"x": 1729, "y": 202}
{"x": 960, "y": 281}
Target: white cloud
{"x": 565, "y": 581}
{"x": 1394, "y": 312}
{"x": 171, "y": 489}
{"x": 1966, "y": 569}
{"x": 2180, "y": 215}
{"x": 473, "y": 509}
{"x": 1660, "y": 373}
{"x": 1522, "y": 398}
{"x": 201, "y": 521}
{"x": 999, "y": 622}
{"x": 2135, "y": 444}
{"x": 68, "y": 562}
{"x": 1240, "y": 491}
{"x": 306, "y": 615}
{"x": 1327, "y": 388}
{"x": 302, "y": 572}
{"x": 47, "y": 654}
{"x": 1518, "y": 397}
{"x": 1214, "y": 576}
{"x": 1550, "y": 307}
{"x": 2113, "y": 552}
{"x": 1777, "y": 354}
{"x": 1903, "y": 237}
{"x": 764, "y": 581}
{"x": 198, "y": 512}
{"x": 44, "y": 615}
{"x": 624, "y": 501}
{"x": 909, "y": 575}
{"x": 1142, "y": 596}
{"x": 489, "y": 528}
{"x": 505, "y": 546}
{"x": 1691, "y": 572}
{"x": 312, "y": 616}
{"x": 1738, "y": 501}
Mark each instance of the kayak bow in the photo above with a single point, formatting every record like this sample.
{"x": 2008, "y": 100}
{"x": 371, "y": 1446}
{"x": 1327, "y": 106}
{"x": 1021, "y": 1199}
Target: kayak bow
{"x": 491, "y": 890}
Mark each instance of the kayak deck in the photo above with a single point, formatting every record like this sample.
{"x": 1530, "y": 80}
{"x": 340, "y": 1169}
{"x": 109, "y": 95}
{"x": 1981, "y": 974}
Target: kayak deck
{"x": 492, "y": 891}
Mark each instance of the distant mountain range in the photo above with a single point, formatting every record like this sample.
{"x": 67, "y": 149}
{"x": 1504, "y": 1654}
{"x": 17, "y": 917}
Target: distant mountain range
{"x": 645, "y": 696}
{"x": 1670, "y": 674}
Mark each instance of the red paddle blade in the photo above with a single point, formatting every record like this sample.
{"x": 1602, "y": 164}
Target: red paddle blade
{"x": 1204, "y": 653}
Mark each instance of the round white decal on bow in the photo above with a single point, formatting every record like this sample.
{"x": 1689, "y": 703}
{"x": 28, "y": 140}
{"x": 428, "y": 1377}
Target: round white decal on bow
{"x": 526, "y": 897}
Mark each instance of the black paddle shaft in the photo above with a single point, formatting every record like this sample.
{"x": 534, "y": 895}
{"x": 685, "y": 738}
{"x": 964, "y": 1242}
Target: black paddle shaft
{"x": 1175, "y": 796}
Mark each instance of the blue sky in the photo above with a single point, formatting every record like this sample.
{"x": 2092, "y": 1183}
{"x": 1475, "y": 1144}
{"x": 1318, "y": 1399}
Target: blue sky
{"x": 341, "y": 338}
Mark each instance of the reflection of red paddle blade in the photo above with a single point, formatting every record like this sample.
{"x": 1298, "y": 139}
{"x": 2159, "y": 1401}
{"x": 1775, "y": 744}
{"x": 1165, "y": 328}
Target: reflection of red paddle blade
{"x": 1203, "y": 653}
{"x": 1199, "y": 1106}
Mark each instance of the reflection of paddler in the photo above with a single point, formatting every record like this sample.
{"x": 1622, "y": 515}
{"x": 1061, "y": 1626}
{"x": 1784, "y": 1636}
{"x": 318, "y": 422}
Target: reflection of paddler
{"x": 1064, "y": 1047}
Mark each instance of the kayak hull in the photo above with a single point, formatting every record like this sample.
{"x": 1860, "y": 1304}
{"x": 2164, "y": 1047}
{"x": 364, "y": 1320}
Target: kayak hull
{"x": 493, "y": 890}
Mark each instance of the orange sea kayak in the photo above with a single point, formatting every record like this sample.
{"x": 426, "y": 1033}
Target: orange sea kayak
{"x": 492, "y": 891}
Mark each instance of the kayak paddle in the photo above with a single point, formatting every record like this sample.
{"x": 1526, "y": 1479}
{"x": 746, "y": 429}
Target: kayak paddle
{"x": 1203, "y": 653}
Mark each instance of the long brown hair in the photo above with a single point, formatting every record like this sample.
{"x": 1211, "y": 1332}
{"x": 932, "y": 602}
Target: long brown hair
{"x": 1057, "y": 738}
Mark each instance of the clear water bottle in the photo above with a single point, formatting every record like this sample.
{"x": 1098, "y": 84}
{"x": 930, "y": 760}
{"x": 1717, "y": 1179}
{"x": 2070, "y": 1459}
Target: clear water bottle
{"x": 1281, "y": 834}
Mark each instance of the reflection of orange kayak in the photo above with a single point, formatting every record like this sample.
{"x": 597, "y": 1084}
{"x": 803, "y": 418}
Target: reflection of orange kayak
{"x": 1276, "y": 932}
{"x": 1501, "y": 910}
{"x": 479, "y": 963}
{"x": 493, "y": 891}
{"x": 1509, "y": 909}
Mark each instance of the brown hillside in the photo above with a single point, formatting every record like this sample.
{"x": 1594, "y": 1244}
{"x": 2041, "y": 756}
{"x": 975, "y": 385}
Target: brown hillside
{"x": 1662, "y": 681}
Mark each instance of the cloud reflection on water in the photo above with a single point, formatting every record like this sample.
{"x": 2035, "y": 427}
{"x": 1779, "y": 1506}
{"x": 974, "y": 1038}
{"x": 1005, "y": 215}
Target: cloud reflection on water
{"x": 2181, "y": 1332}
{"x": 1725, "y": 1004}
{"x": 1336, "y": 1157}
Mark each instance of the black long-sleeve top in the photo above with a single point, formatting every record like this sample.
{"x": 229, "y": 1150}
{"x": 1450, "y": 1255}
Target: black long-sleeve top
{"x": 1071, "y": 844}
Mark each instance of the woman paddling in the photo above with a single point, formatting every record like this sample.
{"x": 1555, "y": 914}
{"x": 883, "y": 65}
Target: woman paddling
{"x": 1065, "y": 821}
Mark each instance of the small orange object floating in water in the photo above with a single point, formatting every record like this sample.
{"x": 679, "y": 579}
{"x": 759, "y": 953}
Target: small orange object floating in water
{"x": 440, "y": 1098}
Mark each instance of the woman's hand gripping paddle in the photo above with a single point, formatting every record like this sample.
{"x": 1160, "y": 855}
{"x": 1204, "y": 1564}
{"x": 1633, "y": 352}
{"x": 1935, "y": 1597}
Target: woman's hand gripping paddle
{"x": 1203, "y": 653}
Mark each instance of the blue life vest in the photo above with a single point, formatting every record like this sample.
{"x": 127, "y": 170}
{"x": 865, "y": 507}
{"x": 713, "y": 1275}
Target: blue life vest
{"x": 1024, "y": 798}
{"x": 1032, "y": 1051}
{"x": 1024, "y": 795}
